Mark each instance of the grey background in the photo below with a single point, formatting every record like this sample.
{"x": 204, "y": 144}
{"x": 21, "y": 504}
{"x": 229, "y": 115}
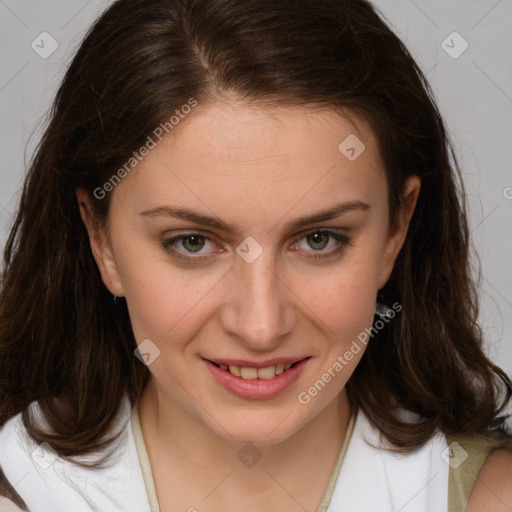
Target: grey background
{"x": 474, "y": 92}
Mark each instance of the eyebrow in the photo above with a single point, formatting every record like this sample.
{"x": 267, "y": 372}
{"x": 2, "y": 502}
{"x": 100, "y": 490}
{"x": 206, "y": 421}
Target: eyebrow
{"x": 206, "y": 220}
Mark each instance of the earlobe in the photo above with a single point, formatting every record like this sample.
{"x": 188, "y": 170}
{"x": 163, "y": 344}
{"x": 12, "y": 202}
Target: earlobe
{"x": 398, "y": 231}
{"x": 100, "y": 246}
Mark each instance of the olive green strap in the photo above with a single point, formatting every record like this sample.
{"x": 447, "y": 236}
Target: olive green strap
{"x": 462, "y": 477}
{"x": 324, "y": 504}
{"x": 144, "y": 459}
{"x": 148, "y": 477}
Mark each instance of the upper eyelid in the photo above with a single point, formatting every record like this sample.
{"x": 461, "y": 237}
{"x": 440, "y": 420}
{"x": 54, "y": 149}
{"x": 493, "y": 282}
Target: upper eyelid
{"x": 210, "y": 235}
{"x": 337, "y": 231}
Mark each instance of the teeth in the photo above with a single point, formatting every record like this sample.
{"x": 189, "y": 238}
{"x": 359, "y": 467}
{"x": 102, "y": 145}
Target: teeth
{"x": 267, "y": 373}
{"x": 235, "y": 370}
{"x": 249, "y": 373}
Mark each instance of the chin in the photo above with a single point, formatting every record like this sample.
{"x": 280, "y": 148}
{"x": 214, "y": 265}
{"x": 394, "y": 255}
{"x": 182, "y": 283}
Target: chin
{"x": 260, "y": 429}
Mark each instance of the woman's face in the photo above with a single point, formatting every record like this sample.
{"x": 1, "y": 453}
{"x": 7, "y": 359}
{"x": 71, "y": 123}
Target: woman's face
{"x": 250, "y": 238}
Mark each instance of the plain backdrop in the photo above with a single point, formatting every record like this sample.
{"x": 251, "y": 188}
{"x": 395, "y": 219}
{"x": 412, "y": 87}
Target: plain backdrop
{"x": 464, "y": 46}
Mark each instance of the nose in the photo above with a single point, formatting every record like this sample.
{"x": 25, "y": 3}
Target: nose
{"x": 259, "y": 309}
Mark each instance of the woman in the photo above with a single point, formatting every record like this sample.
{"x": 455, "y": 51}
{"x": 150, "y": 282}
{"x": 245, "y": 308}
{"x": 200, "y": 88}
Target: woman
{"x": 239, "y": 278}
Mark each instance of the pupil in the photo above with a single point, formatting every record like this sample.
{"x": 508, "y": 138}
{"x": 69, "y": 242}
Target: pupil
{"x": 318, "y": 240}
{"x": 193, "y": 243}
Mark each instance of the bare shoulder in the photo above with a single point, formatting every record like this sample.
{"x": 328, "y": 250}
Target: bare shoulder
{"x": 7, "y": 505}
{"x": 493, "y": 487}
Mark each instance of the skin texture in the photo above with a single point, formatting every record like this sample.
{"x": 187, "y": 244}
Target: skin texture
{"x": 492, "y": 491}
{"x": 258, "y": 169}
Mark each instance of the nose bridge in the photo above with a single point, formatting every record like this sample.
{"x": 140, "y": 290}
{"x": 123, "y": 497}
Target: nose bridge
{"x": 261, "y": 311}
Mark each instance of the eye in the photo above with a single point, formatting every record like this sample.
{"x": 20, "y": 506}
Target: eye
{"x": 197, "y": 247}
{"x": 190, "y": 243}
{"x": 193, "y": 243}
{"x": 325, "y": 243}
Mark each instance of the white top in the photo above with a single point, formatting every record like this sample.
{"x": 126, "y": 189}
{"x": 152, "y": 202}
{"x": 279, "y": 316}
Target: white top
{"x": 370, "y": 479}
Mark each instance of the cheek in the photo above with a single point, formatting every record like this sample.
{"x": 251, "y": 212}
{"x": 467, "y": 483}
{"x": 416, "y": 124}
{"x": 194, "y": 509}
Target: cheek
{"x": 166, "y": 302}
{"x": 343, "y": 298}
{"x": 162, "y": 299}
{"x": 344, "y": 306}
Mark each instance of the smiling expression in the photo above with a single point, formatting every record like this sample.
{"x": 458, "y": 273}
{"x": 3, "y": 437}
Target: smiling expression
{"x": 244, "y": 243}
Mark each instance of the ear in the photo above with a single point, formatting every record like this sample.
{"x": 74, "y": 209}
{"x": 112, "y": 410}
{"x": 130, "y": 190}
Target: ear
{"x": 100, "y": 245}
{"x": 398, "y": 231}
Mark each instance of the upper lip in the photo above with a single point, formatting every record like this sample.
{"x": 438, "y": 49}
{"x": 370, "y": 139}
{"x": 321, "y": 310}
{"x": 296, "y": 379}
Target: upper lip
{"x": 256, "y": 364}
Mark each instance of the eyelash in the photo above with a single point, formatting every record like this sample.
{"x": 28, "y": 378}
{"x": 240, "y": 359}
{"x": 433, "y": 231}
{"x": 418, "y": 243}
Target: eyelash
{"x": 341, "y": 239}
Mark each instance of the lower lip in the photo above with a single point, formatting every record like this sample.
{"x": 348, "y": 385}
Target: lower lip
{"x": 257, "y": 388}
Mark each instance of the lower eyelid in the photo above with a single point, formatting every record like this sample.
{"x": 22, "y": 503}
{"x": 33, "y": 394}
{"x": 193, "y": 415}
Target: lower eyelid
{"x": 341, "y": 238}
{"x": 170, "y": 242}
{"x": 182, "y": 256}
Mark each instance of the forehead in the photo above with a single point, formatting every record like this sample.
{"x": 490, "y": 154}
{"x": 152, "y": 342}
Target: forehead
{"x": 243, "y": 133}
{"x": 234, "y": 156}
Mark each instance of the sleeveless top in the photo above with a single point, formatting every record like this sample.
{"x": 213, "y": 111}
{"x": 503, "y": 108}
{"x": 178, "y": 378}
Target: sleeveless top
{"x": 438, "y": 477}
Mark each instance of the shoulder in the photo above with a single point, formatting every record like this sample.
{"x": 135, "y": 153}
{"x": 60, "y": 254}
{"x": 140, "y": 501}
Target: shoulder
{"x": 38, "y": 474}
{"x": 16, "y": 448}
{"x": 8, "y": 506}
{"x": 492, "y": 491}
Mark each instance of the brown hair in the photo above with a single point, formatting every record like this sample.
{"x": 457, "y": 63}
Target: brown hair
{"x": 65, "y": 343}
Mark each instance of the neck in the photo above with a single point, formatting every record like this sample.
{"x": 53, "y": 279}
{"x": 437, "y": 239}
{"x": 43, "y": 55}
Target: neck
{"x": 171, "y": 434}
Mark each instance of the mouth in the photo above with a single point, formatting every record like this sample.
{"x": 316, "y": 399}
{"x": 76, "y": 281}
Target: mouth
{"x": 255, "y": 380}
{"x": 257, "y": 371}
